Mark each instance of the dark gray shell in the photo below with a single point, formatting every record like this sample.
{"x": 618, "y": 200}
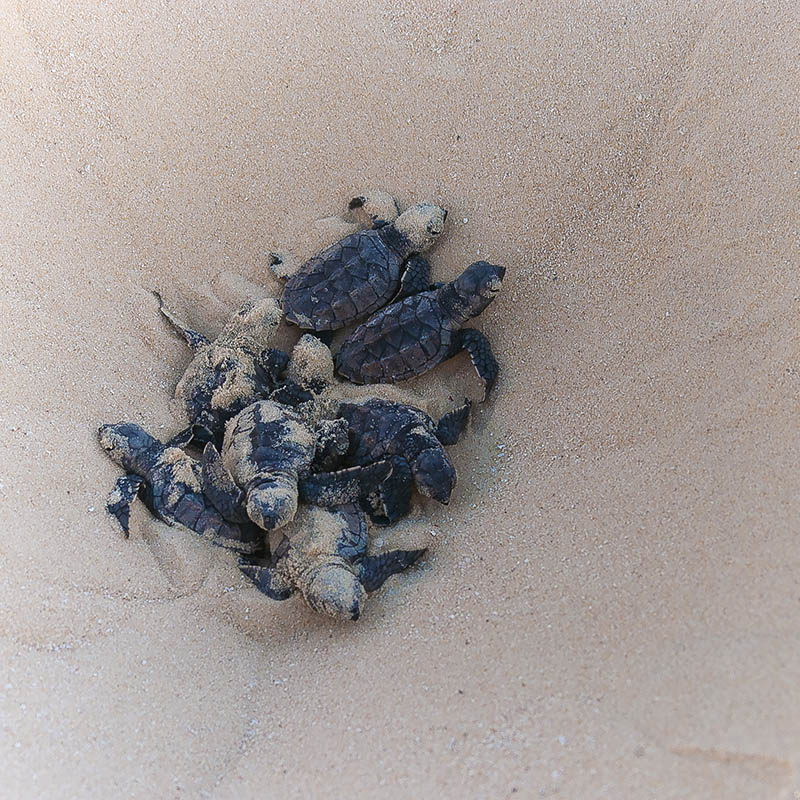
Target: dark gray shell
{"x": 378, "y": 428}
{"x": 400, "y": 341}
{"x": 344, "y": 284}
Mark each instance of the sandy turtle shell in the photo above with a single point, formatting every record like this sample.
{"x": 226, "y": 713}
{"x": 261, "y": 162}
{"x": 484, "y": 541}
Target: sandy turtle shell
{"x": 171, "y": 485}
{"x": 323, "y": 556}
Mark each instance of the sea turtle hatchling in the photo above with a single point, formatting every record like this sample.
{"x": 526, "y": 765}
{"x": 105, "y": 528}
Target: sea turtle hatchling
{"x": 413, "y": 335}
{"x": 278, "y": 451}
{"x": 323, "y": 556}
{"x": 363, "y": 272}
{"x": 228, "y": 374}
{"x": 170, "y": 483}
{"x": 412, "y": 442}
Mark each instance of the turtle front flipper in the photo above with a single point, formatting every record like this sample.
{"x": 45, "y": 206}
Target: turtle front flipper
{"x": 375, "y": 570}
{"x": 269, "y": 366}
{"x": 345, "y": 485}
{"x": 480, "y": 352}
{"x": 220, "y": 488}
{"x": 181, "y": 438}
{"x": 332, "y": 443}
{"x": 267, "y": 580}
{"x": 416, "y": 278}
{"x": 119, "y": 501}
{"x": 283, "y": 266}
{"x": 196, "y": 340}
{"x": 452, "y": 424}
{"x": 395, "y": 494}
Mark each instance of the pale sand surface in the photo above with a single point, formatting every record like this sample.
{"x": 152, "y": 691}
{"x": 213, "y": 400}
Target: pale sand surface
{"x": 611, "y": 607}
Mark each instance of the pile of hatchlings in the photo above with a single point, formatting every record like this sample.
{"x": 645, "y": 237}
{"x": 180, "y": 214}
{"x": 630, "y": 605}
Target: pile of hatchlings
{"x": 280, "y": 446}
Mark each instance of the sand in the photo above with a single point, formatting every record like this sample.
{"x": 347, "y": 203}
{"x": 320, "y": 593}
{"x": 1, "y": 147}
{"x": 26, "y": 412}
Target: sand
{"x": 610, "y": 605}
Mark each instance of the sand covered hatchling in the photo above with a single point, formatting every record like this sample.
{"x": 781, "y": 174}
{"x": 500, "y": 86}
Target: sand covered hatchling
{"x": 363, "y": 272}
{"x": 228, "y": 374}
{"x": 271, "y": 450}
{"x": 413, "y": 335}
{"x": 323, "y": 556}
{"x": 171, "y": 485}
{"x": 414, "y": 445}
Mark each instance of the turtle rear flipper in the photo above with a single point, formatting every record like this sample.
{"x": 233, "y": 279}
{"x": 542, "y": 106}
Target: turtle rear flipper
{"x": 452, "y": 424}
{"x": 119, "y": 501}
{"x": 220, "y": 488}
{"x": 345, "y": 485}
{"x": 480, "y": 352}
{"x": 195, "y": 340}
{"x": 267, "y": 580}
{"x": 416, "y": 278}
{"x": 375, "y": 570}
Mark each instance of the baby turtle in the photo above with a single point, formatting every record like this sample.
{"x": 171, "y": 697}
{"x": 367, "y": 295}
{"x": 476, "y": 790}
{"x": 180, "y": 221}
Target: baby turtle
{"x": 324, "y": 558}
{"x": 227, "y": 375}
{"x": 412, "y": 442}
{"x": 410, "y": 337}
{"x": 267, "y": 457}
{"x": 170, "y": 483}
{"x": 363, "y": 272}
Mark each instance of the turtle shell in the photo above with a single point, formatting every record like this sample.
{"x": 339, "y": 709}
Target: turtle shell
{"x": 377, "y": 428}
{"x": 266, "y": 437}
{"x": 343, "y": 284}
{"x": 400, "y": 341}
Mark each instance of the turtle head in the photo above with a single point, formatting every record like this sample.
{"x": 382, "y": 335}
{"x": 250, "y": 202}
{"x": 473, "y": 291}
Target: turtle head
{"x": 434, "y": 474}
{"x": 311, "y": 364}
{"x": 125, "y": 442}
{"x": 271, "y": 504}
{"x": 478, "y": 285}
{"x": 335, "y": 590}
{"x": 420, "y": 226}
{"x": 253, "y": 325}
{"x": 377, "y": 206}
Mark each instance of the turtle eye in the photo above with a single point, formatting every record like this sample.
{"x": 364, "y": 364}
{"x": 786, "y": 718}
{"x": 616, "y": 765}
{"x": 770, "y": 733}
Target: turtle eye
{"x": 433, "y": 228}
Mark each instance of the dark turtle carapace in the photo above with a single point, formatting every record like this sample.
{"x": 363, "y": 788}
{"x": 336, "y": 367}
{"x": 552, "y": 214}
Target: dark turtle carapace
{"x": 412, "y": 442}
{"x": 323, "y": 556}
{"x": 171, "y": 485}
{"x": 363, "y": 272}
{"x": 413, "y": 335}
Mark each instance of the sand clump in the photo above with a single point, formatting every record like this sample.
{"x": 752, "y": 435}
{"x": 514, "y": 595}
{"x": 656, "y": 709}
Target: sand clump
{"x": 608, "y": 608}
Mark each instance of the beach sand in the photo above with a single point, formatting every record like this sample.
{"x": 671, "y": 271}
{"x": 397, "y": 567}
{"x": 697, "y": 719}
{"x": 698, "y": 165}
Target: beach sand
{"x": 610, "y": 607}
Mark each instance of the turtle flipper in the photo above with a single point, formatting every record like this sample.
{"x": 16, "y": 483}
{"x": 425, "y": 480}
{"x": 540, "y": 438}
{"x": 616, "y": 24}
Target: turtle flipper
{"x": 196, "y": 340}
{"x": 332, "y": 443}
{"x": 416, "y": 278}
{"x": 267, "y": 580}
{"x": 119, "y": 501}
{"x": 282, "y": 266}
{"x": 181, "y": 438}
{"x": 395, "y": 494}
{"x": 269, "y": 367}
{"x": 452, "y": 425}
{"x": 220, "y": 488}
{"x": 376, "y": 569}
{"x": 480, "y": 352}
{"x": 344, "y": 486}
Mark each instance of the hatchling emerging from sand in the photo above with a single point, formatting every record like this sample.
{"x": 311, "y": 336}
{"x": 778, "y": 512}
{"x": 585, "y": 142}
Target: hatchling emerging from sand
{"x": 413, "y": 335}
{"x": 363, "y": 272}
{"x": 227, "y": 375}
{"x": 323, "y": 556}
{"x": 171, "y": 485}
{"x": 271, "y": 448}
{"x": 414, "y": 445}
